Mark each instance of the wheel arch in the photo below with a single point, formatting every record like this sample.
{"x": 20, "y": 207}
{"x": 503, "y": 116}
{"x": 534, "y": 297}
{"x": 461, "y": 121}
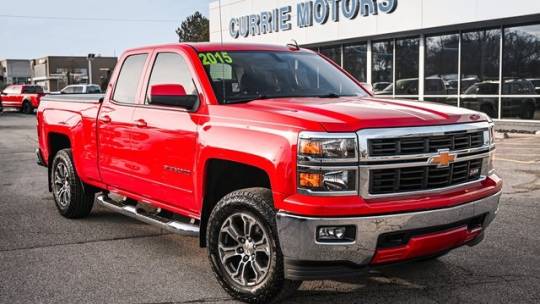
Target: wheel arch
{"x": 223, "y": 176}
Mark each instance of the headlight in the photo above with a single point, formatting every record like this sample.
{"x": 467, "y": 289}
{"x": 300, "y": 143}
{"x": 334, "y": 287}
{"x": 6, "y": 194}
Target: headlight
{"x": 327, "y": 149}
{"x": 327, "y": 163}
{"x": 490, "y": 140}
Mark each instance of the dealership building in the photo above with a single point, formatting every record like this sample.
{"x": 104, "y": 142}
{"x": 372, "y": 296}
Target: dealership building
{"x": 456, "y": 52}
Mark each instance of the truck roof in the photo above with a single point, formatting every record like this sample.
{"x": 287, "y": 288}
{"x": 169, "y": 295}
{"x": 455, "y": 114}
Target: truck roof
{"x": 215, "y": 46}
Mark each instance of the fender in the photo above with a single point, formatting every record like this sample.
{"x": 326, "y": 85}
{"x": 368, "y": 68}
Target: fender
{"x": 268, "y": 149}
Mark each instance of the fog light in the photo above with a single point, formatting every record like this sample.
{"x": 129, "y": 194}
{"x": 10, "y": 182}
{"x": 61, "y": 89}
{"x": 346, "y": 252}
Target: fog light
{"x": 333, "y": 234}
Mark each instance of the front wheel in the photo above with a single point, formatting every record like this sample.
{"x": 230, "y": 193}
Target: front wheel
{"x": 243, "y": 247}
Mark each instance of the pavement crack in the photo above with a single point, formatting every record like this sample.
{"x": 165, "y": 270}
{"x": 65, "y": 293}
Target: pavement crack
{"x": 85, "y": 242}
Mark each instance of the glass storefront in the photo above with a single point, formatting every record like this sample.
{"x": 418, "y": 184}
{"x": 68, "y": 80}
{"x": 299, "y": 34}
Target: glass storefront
{"x": 382, "y": 64}
{"x": 459, "y": 68}
{"x": 356, "y": 57}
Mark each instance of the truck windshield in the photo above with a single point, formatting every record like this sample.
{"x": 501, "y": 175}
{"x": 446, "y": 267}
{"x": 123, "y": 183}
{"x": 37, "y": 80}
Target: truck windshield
{"x": 243, "y": 76}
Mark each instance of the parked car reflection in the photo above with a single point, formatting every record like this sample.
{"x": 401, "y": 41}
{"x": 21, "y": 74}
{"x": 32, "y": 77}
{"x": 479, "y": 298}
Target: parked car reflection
{"x": 521, "y": 107}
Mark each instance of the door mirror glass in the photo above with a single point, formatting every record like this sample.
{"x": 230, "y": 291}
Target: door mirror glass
{"x": 172, "y": 95}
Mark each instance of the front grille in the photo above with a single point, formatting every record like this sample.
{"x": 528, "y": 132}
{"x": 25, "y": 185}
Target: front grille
{"x": 384, "y": 181}
{"x": 425, "y": 144}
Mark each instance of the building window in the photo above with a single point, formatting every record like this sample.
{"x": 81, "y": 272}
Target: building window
{"x": 355, "y": 60}
{"x": 382, "y": 64}
{"x": 521, "y": 72}
{"x": 407, "y": 53}
{"x": 332, "y": 52}
{"x": 441, "y": 68}
{"x": 480, "y": 52}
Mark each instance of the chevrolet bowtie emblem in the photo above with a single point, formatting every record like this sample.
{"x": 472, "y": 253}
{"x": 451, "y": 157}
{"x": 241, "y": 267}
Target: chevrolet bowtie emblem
{"x": 444, "y": 159}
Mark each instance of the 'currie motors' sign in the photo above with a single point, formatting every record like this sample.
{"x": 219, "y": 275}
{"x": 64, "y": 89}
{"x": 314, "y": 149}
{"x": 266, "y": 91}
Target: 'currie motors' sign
{"x": 308, "y": 13}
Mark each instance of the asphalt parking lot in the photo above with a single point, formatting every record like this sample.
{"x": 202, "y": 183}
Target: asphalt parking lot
{"x": 109, "y": 258}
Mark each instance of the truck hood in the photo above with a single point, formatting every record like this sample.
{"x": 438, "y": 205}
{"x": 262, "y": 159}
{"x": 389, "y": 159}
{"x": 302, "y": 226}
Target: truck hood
{"x": 348, "y": 114}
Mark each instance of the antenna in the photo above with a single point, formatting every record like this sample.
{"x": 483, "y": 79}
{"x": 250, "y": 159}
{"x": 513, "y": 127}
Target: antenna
{"x": 293, "y": 45}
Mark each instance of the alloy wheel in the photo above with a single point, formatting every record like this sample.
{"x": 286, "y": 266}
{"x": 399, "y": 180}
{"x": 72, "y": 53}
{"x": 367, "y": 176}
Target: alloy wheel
{"x": 62, "y": 186}
{"x": 244, "y": 249}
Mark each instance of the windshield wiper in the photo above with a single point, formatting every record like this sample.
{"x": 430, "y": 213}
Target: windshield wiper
{"x": 330, "y": 95}
{"x": 246, "y": 99}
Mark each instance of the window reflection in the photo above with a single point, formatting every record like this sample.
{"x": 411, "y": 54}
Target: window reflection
{"x": 441, "y": 65}
{"x": 407, "y": 52}
{"x": 479, "y": 58}
{"x": 382, "y": 61}
{"x": 355, "y": 60}
{"x": 332, "y": 52}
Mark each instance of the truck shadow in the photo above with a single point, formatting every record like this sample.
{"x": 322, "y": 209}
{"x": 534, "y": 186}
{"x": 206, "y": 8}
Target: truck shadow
{"x": 415, "y": 280}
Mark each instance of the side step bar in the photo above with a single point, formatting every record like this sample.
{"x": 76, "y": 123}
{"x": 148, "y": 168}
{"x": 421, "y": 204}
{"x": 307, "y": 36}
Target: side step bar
{"x": 164, "y": 223}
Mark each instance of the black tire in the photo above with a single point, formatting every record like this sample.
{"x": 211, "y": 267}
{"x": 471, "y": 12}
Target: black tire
{"x": 257, "y": 204}
{"x": 69, "y": 195}
{"x": 27, "y": 107}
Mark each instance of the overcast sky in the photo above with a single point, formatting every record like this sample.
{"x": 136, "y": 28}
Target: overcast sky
{"x": 122, "y": 24}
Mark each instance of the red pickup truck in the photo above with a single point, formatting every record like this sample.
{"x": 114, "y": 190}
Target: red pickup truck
{"x": 25, "y": 97}
{"x": 282, "y": 164}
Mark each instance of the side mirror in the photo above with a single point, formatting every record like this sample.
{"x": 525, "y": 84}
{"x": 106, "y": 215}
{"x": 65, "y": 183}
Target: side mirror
{"x": 172, "y": 95}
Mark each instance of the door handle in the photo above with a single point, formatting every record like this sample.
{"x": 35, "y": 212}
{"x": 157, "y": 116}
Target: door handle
{"x": 105, "y": 119}
{"x": 140, "y": 123}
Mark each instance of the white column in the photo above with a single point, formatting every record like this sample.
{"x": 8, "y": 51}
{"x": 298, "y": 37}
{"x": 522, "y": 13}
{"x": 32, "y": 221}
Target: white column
{"x": 421, "y": 64}
{"x": 369, "y": 63}
{"x": 501, "y": 82}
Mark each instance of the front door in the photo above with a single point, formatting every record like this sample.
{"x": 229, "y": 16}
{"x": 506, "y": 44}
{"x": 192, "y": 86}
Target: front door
{"x": 115, "y": 127}
{"x": 165, "y": 137}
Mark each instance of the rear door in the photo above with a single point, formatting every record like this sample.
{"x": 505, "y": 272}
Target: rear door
{"x": 115, "y": 126}
{"x": 164, "y": 142}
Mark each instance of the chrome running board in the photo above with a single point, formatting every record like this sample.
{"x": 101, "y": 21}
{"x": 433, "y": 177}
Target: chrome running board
{"x": 164, "y": 223}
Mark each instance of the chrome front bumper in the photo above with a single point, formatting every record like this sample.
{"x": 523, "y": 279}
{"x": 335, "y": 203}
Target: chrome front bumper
{"x": 297, "y": 234}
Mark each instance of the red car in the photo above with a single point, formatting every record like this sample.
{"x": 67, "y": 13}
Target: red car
{"x": 280, "y": 162}
{"x": 25, "y": 97}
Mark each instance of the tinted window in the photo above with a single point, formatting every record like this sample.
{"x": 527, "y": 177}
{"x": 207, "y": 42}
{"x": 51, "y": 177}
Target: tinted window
{"x": 521, "y": 54}
{"x": 355, "y": 60}
{"x": 93, "y": 90}
{"x": 171, "y": 68}
{"x": 128, "y": 80}
{"x": 32, "y": 89}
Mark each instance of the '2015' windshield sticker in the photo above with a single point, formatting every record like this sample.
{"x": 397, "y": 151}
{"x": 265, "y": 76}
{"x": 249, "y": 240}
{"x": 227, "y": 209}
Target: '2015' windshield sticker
{"x": 215, "y": 58}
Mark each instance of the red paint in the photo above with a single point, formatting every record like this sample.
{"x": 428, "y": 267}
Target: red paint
{"x": 167, "y": 90}
{"x": 125, "y": 148}
{"x": 426, "y": 245}
{"x": 14, "y": 96}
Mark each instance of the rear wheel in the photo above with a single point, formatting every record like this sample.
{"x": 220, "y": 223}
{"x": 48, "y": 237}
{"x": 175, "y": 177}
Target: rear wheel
{"x": 243, "y": 247}
{"x": 27, "y": 107}
{"x": 69, "y": 195}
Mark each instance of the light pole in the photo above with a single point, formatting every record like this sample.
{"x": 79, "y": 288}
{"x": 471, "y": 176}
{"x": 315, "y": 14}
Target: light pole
{"x": 90, "y": 59}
